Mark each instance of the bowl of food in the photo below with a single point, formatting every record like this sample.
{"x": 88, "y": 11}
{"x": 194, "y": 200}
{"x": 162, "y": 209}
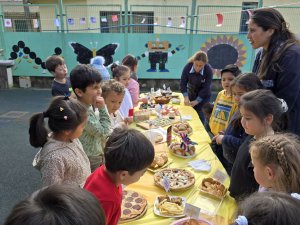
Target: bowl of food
{"x": 162, "y": 99}
{"x": 182, "y": 127}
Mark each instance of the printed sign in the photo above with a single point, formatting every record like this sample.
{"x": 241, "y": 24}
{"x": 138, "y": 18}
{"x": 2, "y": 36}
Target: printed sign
{"x": 166, "y": 183}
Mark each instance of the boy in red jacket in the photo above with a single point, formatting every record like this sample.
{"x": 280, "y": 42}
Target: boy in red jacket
{"x": 127, "y": 155}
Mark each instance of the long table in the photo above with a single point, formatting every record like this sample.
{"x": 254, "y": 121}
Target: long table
{"x": 149, "y": 190}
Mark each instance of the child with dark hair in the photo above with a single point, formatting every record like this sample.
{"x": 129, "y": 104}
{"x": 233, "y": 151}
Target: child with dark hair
{"x": 56, "y": 66}
{"x": 58, "y": 205}
{"x": 86, "y": 83}
{"x": 269, "y": 208}
{"x": 122, "y": 74}
{"x": 127, "y": 153}
{"x": 113, "y": 93}
{"x": 61, "y": 158}
{"x": 133, "y": 86}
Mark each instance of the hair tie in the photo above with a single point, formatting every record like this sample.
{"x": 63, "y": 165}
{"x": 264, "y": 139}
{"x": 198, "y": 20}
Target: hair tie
{"x": 45, "y": 114}
{"x": 241, "y": 220}
{"x": 296, "y": 196}
{"x": 284, "y": 106}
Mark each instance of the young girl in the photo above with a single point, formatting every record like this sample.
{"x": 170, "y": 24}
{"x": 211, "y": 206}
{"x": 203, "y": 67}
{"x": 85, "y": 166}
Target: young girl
{"x": 261, "y": 115}
{"x": 234, "y": 134}
{"x": 195, "y": 82}
{"x": 276, "y": 162}
{"x": 133, "y": 86}
{"x": 122, "y": 74}
{"x": 269, "y": 208}
{"x": 61, "y": 158}
{"x": 113, "y": 93}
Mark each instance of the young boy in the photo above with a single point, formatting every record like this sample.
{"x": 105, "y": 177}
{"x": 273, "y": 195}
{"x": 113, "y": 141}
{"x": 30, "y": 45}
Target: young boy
{"x": 113, "y": 93}
{"x": 57, "y": 67}
{"x": 224, "y": 106}
{"x": 127, "y": 153}
{"x": 86, "y": 85}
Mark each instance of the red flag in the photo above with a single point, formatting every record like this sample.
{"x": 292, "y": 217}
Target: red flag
{"x": 114, "y": 18}
{"x": 220, "y": 19}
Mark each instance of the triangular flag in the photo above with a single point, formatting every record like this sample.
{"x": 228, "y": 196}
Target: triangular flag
{"x": 103, "y": 19}
{"x": 183, "y": 24}
{"x": 57, "y": 22}
{"x": 220, "y": 19}
{"x": 7, "y": 23}
{"x": 93, "y": 19}
{"x": 169, "y": 22}
{"x": 35, "y": 23}
{"x": 114, "y": 18}
{"x": 82, "y": 21}
{"x": 70, "y": 21}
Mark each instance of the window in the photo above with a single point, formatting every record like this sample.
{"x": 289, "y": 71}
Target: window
{"x": 112, "y": 22}
{"x": 245, "y": 15}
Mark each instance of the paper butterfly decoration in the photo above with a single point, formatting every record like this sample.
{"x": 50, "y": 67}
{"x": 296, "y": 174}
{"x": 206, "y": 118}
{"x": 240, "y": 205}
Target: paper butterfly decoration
{"x": 84, "y": 54}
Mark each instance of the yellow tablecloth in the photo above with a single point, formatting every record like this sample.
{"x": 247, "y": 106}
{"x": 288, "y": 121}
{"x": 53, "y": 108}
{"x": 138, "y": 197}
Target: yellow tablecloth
{"x": 146, "y": 186}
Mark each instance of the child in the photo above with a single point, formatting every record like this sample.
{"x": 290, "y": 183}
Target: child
{"x": 195, "y": 82}
{"x": 207, "y": 109}
{"x": 113, "y": 93}
{"x": 261, "y": 114}
{"x": 269, "y": 208}
{"x": 122, "y": 74}
{"x": 276, "y": 162}
{"x": 62, "y": 158}
{"x": 59, "y": 205}
{"x": 86, "y": 85}
{"x": 224, "y": 106}
{"x": 98, "y": 64}
{"x": 57, "y": 67}
{"x": 235, "y": 134}
{"x": 223, "y": 110}
{"x": 133, "y": 86}
{"x": 128, "y": 153}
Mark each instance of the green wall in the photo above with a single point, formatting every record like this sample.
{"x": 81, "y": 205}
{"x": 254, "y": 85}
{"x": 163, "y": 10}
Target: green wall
{"x": 43, "y": 45}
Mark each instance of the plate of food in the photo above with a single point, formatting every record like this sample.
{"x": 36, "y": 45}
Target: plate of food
{"x": 182, "y": 127}
{"x": 155, "y": 136}
{"x": 134, "y": 206}
{"x": 160, "y": 161}
{"x": 191, "y": 221}
{"x": 177, "y": 149}
{"x": 169, "y": 206}
{"x": 180, "y": 179}
{"x": 213, "y": 188}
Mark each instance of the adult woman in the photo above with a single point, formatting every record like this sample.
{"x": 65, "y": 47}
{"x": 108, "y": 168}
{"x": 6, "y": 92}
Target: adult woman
{"x": 195, "y": 82}
{"x": 278, "y": 63}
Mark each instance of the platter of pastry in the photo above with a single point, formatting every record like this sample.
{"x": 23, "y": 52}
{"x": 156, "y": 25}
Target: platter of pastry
{"x": 169, "y": 206}
{"x": 177, "y": 149}
{"x": 213, "y": 188}
{"x": 182, "y": 127}
{"x": 160, "y": 161}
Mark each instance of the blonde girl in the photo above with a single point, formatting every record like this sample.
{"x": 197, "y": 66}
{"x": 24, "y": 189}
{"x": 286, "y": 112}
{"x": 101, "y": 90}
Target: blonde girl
{"x": 61, "y": 158}
{"x": 276, "y": 162}
{"x": 262, "y": 115}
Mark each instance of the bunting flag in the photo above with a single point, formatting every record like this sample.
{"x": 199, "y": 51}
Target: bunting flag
{"x": 7, "y": 23}
{"x": 93, "y": 19}
{"x": 249, "y": 15}
{"x": 169, "y": 22}
{"x": 35, "y": 23}
{"x": 103, "y": 19}
{"x": 57, "y": 22}
{"x": 114, "y": 18}
{"x": 82, "y": 21}
{"x": 143, "y": 20}
{"x": 220, "y": 19}
{"x": 183, "y": 23}
{"x": 70, "y": 21}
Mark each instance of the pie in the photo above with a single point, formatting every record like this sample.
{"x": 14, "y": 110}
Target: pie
{"x": 193, "y": 222}
{"x": 133, "y": 206}
{"x": 213, "y": 187}
{"x": 180, "y": 179}
{"x": 182, "y": 127}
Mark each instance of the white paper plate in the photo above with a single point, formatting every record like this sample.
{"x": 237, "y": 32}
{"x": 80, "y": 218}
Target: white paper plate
{"x": 156, "y": 210}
